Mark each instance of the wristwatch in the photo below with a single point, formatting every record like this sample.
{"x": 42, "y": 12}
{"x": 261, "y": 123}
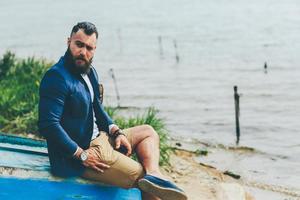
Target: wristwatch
{"x": 83, "y": 156}
{"x": 117, "y": 133}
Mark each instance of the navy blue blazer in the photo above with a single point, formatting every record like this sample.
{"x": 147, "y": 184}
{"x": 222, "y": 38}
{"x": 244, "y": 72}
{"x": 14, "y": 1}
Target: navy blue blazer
{"x": 66, "y": 118}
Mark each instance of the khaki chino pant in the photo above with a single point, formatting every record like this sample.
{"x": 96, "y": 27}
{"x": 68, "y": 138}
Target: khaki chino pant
{"x": 123, "y": 172}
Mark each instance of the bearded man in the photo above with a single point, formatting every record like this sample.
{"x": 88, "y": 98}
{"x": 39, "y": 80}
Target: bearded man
{"x": 82, "y": 139}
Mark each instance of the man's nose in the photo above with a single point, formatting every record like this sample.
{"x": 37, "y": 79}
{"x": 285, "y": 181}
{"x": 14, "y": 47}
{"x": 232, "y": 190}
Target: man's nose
{"x": 83, "y": 51}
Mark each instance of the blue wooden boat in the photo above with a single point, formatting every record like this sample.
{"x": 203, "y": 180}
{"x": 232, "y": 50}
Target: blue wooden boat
{"x": 24, "y": 174}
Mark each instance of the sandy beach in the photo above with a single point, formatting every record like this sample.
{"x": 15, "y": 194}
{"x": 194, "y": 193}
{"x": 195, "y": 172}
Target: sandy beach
{"x": 202, "y": 181}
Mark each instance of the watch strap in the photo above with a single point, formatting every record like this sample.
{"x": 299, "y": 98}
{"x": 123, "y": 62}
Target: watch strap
{"x": 117, "y": 133}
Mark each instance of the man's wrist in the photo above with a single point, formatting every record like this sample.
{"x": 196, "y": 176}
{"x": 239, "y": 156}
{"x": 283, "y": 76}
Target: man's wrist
{"x": 113, "y": 128}
{"x": 77, "y": 153}
{"x": 117, "y": 133}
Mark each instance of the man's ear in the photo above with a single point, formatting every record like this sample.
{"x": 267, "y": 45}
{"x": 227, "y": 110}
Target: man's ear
{"x": 69, "y": 41}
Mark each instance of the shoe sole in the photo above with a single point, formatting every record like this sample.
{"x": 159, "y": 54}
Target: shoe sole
{"x": 161, "y": 192}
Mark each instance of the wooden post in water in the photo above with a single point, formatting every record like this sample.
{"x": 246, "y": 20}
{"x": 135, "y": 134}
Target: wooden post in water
{"x": 266, "y": 68}
{"x": 116, "y": 86}
{"x": 161, "y": 51}
{"x": 176, "y": 53}
{"x": 237, "y": 113}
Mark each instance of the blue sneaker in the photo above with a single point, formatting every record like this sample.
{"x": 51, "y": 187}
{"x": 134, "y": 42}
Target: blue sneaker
{"x": 163, "y": 189}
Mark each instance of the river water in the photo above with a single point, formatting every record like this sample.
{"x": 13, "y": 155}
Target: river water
{"x": 220, "y": 43}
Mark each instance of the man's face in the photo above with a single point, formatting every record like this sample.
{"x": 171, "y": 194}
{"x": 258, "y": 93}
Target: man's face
{"x": 82, "y": 48}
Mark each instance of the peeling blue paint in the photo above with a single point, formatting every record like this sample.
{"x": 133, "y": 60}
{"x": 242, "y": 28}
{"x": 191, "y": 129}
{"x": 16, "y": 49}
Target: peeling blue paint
{"x": 34, "y": 189}
{"x": 30, "y": 156}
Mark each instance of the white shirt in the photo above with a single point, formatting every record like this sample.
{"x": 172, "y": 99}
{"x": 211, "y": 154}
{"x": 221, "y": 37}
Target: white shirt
{"x": 88, "y": 82}
{"x": 96, "y": 130}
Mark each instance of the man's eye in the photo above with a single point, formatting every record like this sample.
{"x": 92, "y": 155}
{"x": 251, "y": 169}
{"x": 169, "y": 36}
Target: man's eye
{"x": 79, "y": 44}
{"x": 89, "y": 48}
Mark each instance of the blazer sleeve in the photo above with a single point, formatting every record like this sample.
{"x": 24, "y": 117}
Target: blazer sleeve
{"x": 53, "y": 92}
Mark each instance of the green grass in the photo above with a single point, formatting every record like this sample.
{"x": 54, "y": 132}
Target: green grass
{"x": 19, "y": 87}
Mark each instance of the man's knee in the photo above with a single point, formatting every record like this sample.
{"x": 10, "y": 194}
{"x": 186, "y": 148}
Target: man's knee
{"x": 151, "y": 132}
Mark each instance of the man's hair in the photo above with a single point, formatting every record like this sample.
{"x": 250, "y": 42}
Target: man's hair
{"x": 88, "y": 28}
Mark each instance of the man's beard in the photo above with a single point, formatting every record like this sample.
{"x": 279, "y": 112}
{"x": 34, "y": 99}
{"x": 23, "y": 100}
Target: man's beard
{"x": 80, "y": 69}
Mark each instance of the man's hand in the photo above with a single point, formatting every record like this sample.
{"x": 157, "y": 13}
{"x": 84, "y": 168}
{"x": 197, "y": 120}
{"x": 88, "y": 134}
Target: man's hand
{"x": 122, "y": 140}
{"x": 94, "y": 162}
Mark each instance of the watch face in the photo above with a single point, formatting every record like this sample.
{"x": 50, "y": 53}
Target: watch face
{"x": 83, "y": 156}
